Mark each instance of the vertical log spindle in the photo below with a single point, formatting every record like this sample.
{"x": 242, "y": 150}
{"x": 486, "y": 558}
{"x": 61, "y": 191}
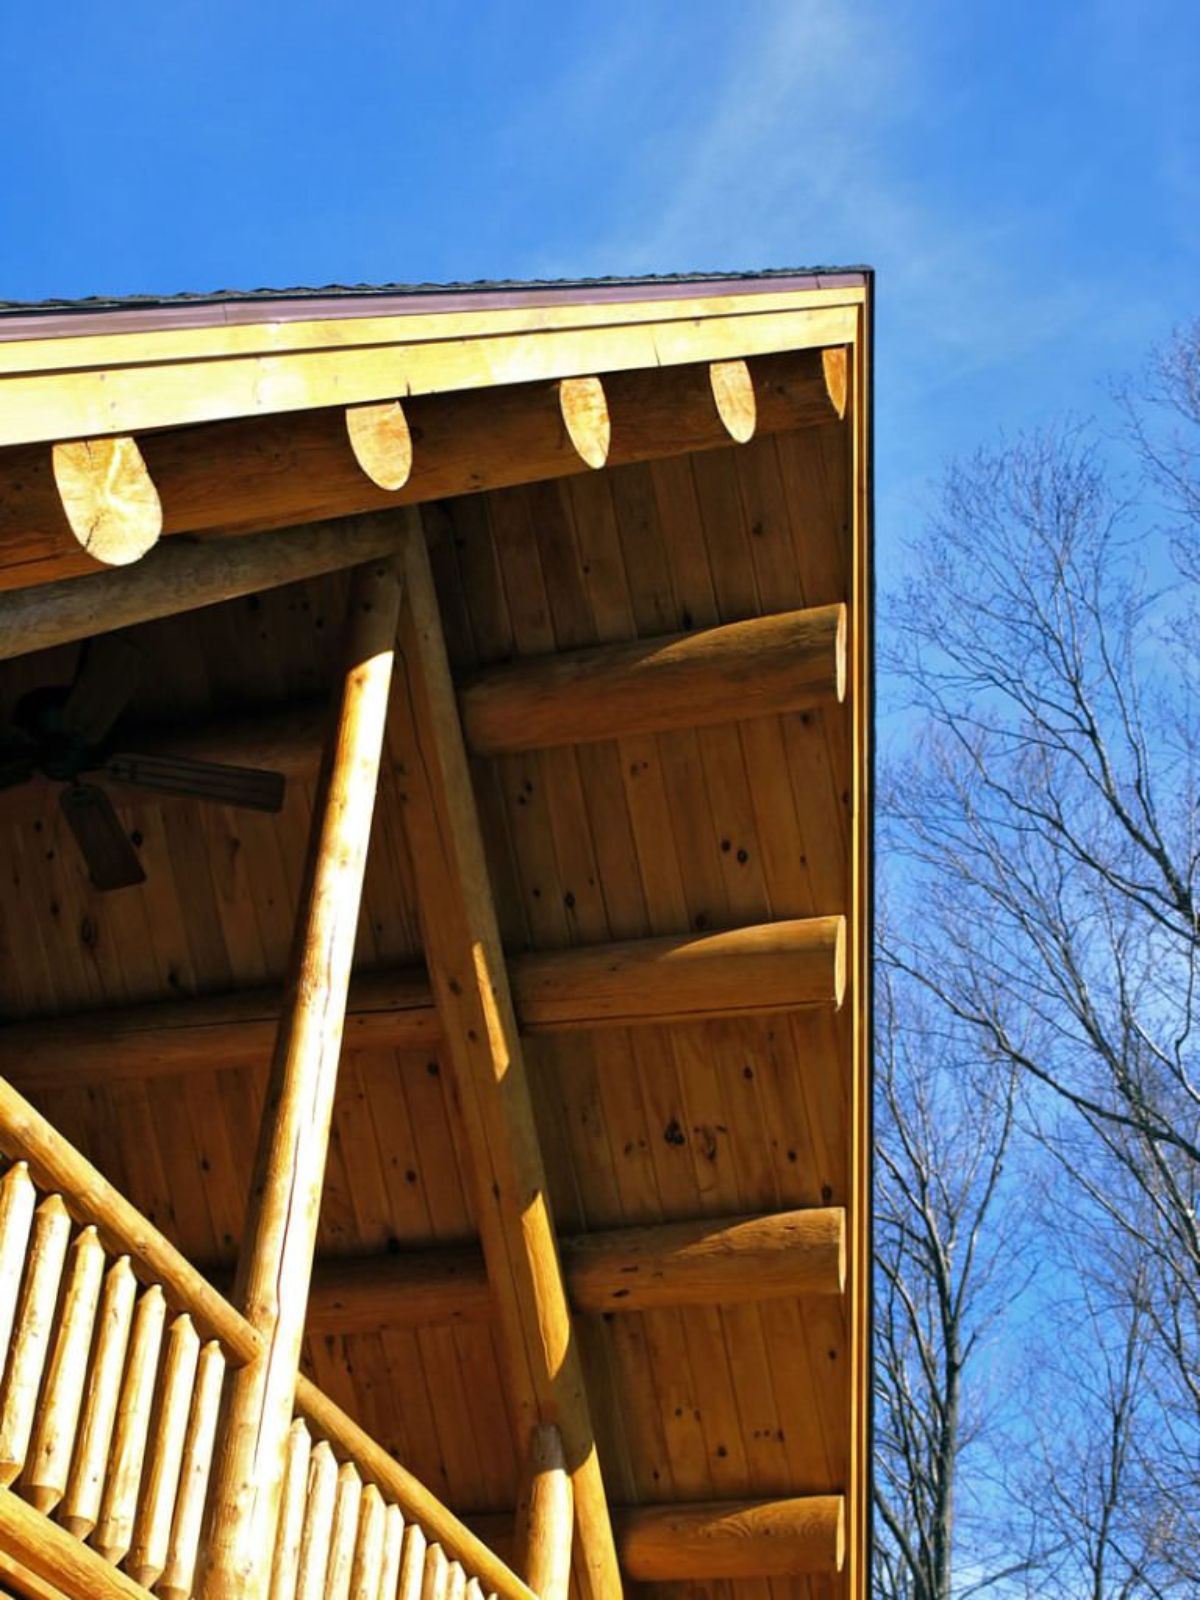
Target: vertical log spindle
{"x": 17, "y": 1200}
{"x": 80, "y": 1508}
{"x": 436, "y": 1577}
{"x": 393, "y": 1544}
{"x": 118, "y": 1506}
{"x": 345, "y": 1530}
{"x": 147, "y": 1556}
{"x": 318, "y": 1524}
{"x": 292, "y": 1505}
{"x": 49, "y": 1464}
{"x": 367, "y": 1566}
{"x": 412, "y": 1564}
{"x": 180, "y": 1570}
{"x": 35, "y": 1322}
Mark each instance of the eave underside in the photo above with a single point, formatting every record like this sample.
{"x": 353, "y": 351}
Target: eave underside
{"x": 683, "y": 831}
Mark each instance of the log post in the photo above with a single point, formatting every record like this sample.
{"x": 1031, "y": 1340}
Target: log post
{"x": 276, "y": 1260}
{"x": 544, "y": 1517}
{"x": 541, "y": 1357}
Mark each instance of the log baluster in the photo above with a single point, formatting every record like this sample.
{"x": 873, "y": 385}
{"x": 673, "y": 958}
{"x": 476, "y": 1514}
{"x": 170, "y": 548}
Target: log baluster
{"x": 35, "y": 1319}
{"x": 393, "y": 1547}
{"x": 49, "y": 1464}
{"x": 344, "y": 1536}
{"x": 176, "y": 1580}
{"x": 147, "y": 1555}
{"x": 435, "y": 1580}
{"x": 367, "y": 1569}
{"x": 412, "y": 1564}
{"x": 17, "y": 1200}
{"x": 293, "y": 1504}
{"x": 318, "y": 1524}
{"x": 80, "y": 1509}
{"x": 118, "y": 1507}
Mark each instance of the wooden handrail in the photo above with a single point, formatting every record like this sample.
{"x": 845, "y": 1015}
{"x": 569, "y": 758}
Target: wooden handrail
{"x": 413, "y": 1499}
{"x": 154, "y": 1483}
{"x": 58, "y": 1168}
{"x": 54, "y": 1556}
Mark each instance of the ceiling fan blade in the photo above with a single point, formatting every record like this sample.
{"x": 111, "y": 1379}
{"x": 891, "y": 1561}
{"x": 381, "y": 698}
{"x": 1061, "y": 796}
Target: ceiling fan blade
{"x": 250, "y": 787}
{"x": 112, "y": 862}
{"x": 109, "y": 670}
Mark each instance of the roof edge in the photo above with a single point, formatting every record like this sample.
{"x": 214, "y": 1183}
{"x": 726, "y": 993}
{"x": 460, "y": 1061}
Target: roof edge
{"x": 66, "y": 319}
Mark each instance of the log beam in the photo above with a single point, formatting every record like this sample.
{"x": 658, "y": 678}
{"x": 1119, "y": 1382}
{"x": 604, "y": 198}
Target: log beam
{"x": 275, "y": 1264}
{"x": 183, "y": 575}
{"x": 408, "y": 1289}
{"x": 711, "y": 1261}
{"x": 169, "y": 1037}
{"x": 541, "y": 1358}
{"x": 770, "y": 664}
{"x": 639, "y": 414}
{"x": 773, "y": 966}
{"x": 734, "y": 1539}
{"x": 768, "y": 967}
{"x": 704, "y": 1541}
{"x": 256, "y": 473}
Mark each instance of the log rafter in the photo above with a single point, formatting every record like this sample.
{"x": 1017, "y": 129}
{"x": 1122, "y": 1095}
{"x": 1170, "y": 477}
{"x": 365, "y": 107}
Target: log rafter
{"x": 708, "y": 1261}
{"x": 541, "y": 1356}
{"x": 703, "y": 1541}
{"x": 756, "y": 970}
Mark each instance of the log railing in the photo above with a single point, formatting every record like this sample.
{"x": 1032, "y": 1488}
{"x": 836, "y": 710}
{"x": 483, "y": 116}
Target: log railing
{"x": 114, "y": 1352}
{"x": 113, "y": 1356}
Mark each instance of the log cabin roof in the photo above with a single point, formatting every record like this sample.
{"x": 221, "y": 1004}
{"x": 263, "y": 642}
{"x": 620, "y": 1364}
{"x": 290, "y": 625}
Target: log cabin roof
{"x": 656, "y": 616}
{"x": 298, "y": 301}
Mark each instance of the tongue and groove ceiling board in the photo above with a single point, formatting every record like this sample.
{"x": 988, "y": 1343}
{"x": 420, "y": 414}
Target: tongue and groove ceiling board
{"x": 694, "y": 830}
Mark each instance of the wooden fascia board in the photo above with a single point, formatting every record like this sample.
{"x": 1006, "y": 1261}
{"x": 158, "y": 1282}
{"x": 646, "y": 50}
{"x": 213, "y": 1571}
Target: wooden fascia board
{"x": 55, "y": 389}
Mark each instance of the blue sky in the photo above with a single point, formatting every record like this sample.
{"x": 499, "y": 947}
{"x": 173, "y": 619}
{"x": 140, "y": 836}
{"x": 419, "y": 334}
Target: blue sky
{"x": 1025, "y": 178}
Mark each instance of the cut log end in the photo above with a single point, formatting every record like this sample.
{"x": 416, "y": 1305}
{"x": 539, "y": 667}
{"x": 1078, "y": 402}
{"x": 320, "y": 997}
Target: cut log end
{"x": 108, "y": 497}
{"x": 382, "y": 443}
{"x": 733, "y": 391}
{"x": 836, "y": 362}
{"x": 753, "y": 1539}
{"x": 584, "y": 408}
{"x": 840, "y": 652}
{"x": 839, "y": 962}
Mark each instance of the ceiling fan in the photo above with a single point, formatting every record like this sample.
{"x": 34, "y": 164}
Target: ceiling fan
{"x": 65, "y": 732}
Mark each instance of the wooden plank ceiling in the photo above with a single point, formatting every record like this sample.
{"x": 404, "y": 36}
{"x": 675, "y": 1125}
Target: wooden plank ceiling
{"x": 655, "y": 834}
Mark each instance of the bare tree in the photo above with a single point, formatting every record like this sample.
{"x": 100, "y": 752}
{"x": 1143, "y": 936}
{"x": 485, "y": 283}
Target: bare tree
{"x": 1094, "y": 1508}
{"x": 944, "y": 1273}
{"x": 1049, "y": 820}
